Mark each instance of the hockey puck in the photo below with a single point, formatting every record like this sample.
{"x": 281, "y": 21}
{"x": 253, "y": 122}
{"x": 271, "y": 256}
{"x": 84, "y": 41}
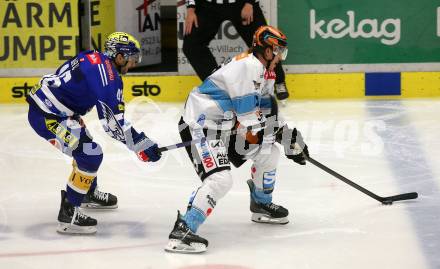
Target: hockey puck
{"x": 387, "y": 202}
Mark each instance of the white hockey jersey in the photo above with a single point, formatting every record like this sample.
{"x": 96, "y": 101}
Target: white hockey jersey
{"x": 239, "y": 90}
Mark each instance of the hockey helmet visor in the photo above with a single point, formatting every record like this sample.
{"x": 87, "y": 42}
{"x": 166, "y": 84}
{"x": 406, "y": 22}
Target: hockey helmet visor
{"x": 282, "y": 51}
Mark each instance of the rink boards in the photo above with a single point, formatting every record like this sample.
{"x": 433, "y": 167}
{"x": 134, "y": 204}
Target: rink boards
{"x": 301, "y": 86}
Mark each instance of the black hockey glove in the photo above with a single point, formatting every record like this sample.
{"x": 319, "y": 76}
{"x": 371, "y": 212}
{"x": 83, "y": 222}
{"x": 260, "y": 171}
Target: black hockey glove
{"x": 300, "y": 157}
{"x": 293, "y": 143}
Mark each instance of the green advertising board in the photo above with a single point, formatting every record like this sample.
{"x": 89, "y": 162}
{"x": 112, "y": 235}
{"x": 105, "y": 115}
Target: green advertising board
{"x": 343, "y": 32}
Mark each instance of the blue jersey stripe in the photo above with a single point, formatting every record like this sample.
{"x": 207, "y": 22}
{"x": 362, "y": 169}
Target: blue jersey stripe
{"x": 218, "y": 95}
{"x": 245, "y": 104}
{"x": 49, "y": 105}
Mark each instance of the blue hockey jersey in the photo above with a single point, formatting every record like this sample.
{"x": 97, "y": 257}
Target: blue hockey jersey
{"x": 85, "y": 81}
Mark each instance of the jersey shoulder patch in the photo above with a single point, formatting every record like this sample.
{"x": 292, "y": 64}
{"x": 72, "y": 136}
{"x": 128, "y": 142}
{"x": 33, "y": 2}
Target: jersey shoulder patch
{"x": 94, "y": 58}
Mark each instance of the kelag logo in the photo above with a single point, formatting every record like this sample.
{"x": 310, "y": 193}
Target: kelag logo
{"x": 366, "y": 28}
{"x": 145, "y": 89}
{"x": 438, "y": 21}
{"x": 21, "y": 91}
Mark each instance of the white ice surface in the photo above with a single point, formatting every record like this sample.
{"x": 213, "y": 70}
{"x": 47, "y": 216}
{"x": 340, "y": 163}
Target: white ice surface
{"x": 389, "y": 147}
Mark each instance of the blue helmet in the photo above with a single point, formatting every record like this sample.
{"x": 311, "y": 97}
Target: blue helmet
{"x": 122, "y": 43}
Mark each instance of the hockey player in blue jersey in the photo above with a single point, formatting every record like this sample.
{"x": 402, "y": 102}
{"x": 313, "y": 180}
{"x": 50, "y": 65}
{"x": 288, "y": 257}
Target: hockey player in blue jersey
{"x": 56, "y": 104}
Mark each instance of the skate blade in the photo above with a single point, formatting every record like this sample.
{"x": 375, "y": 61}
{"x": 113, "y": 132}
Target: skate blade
{"x": 263, "y": 218}
{"x": 97, "y": 206}
{"x": 67, "y": 228}
{"x": 177, "y": 246}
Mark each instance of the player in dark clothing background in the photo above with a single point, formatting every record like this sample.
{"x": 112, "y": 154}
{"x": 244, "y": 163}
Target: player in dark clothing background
{"x": 203, "y": 20}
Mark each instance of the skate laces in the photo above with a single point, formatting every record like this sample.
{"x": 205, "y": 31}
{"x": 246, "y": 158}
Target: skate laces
{"x": 77, "y": 214}
{"x": 273, "y": 206}
{"x": 182, "y": 226}
{"x": 103, "y": 196}
{"x": 187, "y": 232}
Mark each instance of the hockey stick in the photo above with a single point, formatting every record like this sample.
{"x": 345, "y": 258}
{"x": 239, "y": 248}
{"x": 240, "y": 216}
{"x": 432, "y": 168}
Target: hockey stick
{"x": 384, "y": 200}
{"x": 203, "y": 139}
{"x": 182, "y": 144}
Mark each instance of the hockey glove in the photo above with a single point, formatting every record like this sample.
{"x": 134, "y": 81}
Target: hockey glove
{"x": 150, "y": 154}
{"x": 301, "y": 157}
{"x": 294, "y": 146}
{"x": 146, "y": 149}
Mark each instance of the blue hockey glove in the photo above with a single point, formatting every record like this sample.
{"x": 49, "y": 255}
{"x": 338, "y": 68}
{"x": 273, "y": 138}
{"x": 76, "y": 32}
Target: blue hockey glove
{"x": 145, "y": 148}
{"x": 150, "y": 154}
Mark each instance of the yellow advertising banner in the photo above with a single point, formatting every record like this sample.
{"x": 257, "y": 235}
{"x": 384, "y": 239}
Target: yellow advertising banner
{"x": 302, "y": 86}
{"x": 157, "y": 88}
{"x": 15, "y": 90}
{"x": 102, "y": 21}
{"x": 37, "y": 34}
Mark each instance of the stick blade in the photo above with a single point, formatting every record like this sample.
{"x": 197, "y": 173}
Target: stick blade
{"x": 401, "y": 197}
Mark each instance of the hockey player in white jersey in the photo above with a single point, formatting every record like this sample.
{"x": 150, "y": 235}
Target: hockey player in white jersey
{"x": 238, "y": 96}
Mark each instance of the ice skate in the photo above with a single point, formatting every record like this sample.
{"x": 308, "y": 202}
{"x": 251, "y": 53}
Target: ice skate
{"x": 183, "y": 240}
{"x": 267, "y": 213}
{"x": 281, "y": 92}
{"x": 72, "y": 221}
{"x": 99, "y": 200}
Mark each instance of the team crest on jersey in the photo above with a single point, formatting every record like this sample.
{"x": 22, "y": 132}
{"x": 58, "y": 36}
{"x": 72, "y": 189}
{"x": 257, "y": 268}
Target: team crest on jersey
{"x": 269, "y": 74}
{"x": 112, "y": 127}
{"x": 94, "y": 58}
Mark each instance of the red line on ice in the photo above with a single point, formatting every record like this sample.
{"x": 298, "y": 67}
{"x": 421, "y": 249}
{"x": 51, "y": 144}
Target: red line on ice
{"x": 71, "y": 251}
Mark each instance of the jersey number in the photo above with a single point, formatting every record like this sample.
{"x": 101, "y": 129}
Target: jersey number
{"x": 55, "y": 80}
